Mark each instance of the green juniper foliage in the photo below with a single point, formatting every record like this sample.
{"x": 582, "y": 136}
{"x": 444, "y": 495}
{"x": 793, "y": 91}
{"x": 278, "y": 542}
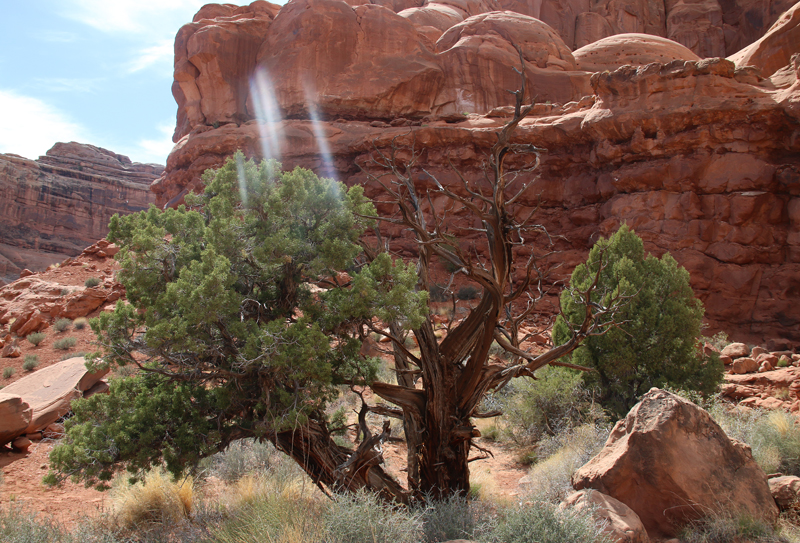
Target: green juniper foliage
{"x": 226, "y": 318}
{"x": 657, "y": 344}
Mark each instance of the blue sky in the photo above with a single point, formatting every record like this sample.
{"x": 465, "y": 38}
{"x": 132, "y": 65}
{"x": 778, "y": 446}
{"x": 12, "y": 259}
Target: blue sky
{"x": 92, "y": 71}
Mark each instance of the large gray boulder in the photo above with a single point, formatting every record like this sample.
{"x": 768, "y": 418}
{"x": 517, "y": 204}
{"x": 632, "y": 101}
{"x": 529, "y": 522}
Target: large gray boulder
{"x": 671, "y": 463}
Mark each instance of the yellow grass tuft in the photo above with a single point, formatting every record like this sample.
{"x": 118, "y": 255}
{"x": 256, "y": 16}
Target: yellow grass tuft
{"x": 156, "y": 500}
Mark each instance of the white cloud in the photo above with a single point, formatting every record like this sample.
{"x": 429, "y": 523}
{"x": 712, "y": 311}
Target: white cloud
{"x": 30, "y": 126}
{"x": 155, "y": 150}
{"x": 66, "y": 84}
{"x": 161, "y": 53}
{"x": 143, "y": 17}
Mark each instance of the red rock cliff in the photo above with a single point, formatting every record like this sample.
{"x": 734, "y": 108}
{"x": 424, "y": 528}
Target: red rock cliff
{"x": 53, "y": 207}
{"x": 700, "y": 156}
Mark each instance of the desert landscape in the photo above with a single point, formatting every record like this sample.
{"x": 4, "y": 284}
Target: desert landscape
{"x": 499, "y": 142}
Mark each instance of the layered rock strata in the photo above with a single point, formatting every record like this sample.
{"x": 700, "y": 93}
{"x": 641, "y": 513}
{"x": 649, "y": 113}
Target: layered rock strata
{"x": 699, "y": 156}
{"x": 53, "y": 207}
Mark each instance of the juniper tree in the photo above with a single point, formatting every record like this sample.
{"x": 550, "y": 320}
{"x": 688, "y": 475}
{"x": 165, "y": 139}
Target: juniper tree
{"x": 243, "y": 324}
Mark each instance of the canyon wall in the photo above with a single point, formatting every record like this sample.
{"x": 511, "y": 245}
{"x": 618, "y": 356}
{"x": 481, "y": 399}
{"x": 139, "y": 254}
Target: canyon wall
{"x": 699, "y": 155}
{"x": 54, "y": 207}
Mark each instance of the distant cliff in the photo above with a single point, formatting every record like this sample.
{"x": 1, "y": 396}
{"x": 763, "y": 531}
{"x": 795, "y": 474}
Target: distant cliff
{"x": 54, "y": 207}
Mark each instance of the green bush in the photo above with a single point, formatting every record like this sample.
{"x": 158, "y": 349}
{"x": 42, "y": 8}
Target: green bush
{"x": 62, "y": 325}
{"x": 18, "y": 526}
{"x": 554, "y": 402}
{"x": 467, "y": 293}
{"x": 36, "y": 338}
{"x": 65, "y": 343}
{"x": 544, "y": 522}
{"x": 30, "y": 363}
{"x": 8, "y": 372}
{"x": 657, "y": 342}
{"x": 244, "y": 457}
{"x": 91, "y": 282}
{"x": 80, "y": 323}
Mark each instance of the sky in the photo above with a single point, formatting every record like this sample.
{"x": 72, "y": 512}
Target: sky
{"x": 91, "y": 71}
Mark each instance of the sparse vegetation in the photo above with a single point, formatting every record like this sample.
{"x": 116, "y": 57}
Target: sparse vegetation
{"x": 91, "y": 282}
{"x": 36, "y": 338}
{"x": 80, "y": 323}
{"x": 67, "y": 356}
{"x": 467, "y": 292}
{"x": 544, "y": 522}
{"x": 65, "y": 343}
{"x": 31, "y": 362}
{"x": 62, "y": 325}
{"x": 158, "y": 499}
{"x": 724, "y": 527}
{"x": 8, "y": 372}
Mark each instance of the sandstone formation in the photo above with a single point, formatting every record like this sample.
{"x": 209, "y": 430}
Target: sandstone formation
{"x": 53, "y": 207}
{"x": 785, "y": 490}
{"x": 48, "y": 393}
{"x": 670, "y": 462}
{"x": 31, "y": 304}
{"x": 773, "y": 51}
{"x": 15, "y": 416}
{"x": 699, "y": 156}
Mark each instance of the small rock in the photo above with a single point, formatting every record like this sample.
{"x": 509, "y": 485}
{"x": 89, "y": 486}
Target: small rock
{"x": 25, "y": 273}
{"x": 784, "y": 489}
{"x": 726, "y": 360}
{"x": 621, "y": 523}
{"x": 757, "y": 351}
{"x": 21, "y": 443}
{"x": 11, "y": 351}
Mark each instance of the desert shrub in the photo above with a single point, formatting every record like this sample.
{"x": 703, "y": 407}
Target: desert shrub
{"x": 543, "y": 522}
{"x": 456, "y": 518}
{"x": 80, "y": 323}
{"x": 67, "y": 356}
{"x": 467, "y": 292}
{"x": 8, "y": 372}
{"x": 36, "y": 338}
{"x": 65, "y": 343}
{"x": 157, "y": 500}
{"x": 62, "y": 325}
{"x": 361, "y": 517}
{"x": 244, "y": 457}
{"x": 559, "y": 457}
{"x": 724, "y": 527}
{"x": 91, "y": 282}
{"x": 556, "y": 401}
{"x": 19, "y": 526}
{"x": 657, "y": 344}
{"x": 30, "y": 363}
{"x": 773, "y": 436}
{"x": 65, "y": 291}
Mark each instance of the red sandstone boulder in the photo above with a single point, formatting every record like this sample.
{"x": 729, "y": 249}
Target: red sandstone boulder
{"x": 744, "y": 365}
{"x": 50, "y": 391}
{"x": 15, "y": 416}
{"x": 735, "y": 350}
{"x": 669, "y": 462}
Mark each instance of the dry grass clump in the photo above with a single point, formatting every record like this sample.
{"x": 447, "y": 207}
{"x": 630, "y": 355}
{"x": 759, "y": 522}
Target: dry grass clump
{"x": 157, "y": 500}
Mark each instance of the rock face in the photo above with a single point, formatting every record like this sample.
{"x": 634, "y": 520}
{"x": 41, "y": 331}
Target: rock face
{"x": 15, "y": 416}
{"x": 53, "y": 207}
{"x": 669, "y": 462}
{"x": 699, "y": 156}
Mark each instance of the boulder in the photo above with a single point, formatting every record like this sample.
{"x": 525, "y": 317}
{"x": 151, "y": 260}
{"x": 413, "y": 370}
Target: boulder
{"x": 50, "y": 391}
{"x": 785, "y": 490}
{"x": 744, "y": 365}
{"x": 670, "y": 462}
{"x": 11, "y": 350}
{"x": 620, "y": 522}
{"x": 15, "y": 416}
{"x": 735, "y": 350}
{"x": 21, "y": 443}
